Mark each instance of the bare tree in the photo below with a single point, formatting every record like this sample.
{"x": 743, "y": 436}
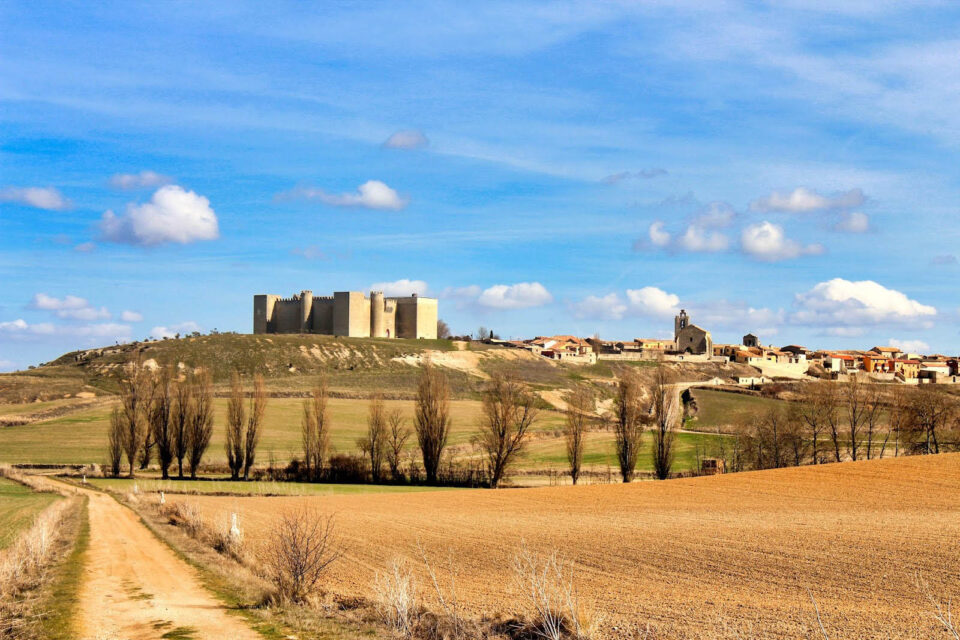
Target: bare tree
{"x": 302, "y": 547}
{"x": 580, "y": 404}
{"x": 855, "y": 404}
{"x": 236, "y": 419}
{"x": 373, "y": 444}
{"x": 397, "y": 435}
{"x": 134, "y": 401}
{"x": 818, "y": 412}
{"x": 115, "y": 442}
{"x": 770, "y": 439}
{"x": 161, "y": 426}
{"x": 315, "y": 429}
{"x": 898, "y": 415}
{"x": 200, "y": 426}
{"x": 665, "y": 411}
{"x": 509, "y": 410}
{"x": 181, "y": 416}
{"x": 443, "y": 330}
{"x": 873, "y": 410}
{"x": 629, "y": 421}
{"x": 258, "y": 404}
{"x": 931, "y": 412}
{"x": 432, "y": 418}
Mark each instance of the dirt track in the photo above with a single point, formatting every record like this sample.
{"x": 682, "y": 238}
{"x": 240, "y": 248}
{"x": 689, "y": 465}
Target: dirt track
{"x": 135, "y": 588}
{"x": 695, "y": 558}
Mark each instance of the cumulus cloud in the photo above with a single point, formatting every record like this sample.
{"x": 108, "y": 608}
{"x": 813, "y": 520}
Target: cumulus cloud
{"x": 522, "y": 295}
{"x": 855, "y": 222}
{"x": 738, "y": 315}
{"x": 171, "y": 331}
{"x": 69, "y": 307}
{"x": 642, "y": 174}
{"x": 658, "y": 236}
{"x": 38, "y": 197}
{"x": 401, "y": 288}
{"x": 372, "y": 194}
{"x": 21, "y": 329}
{"x": 651, "y": 301}
{"x": 608, "y": 307}
{"x": 85, "y": 247}
{"x": 406, "y": 139}
{"x": 803, "y": 200}
{"x": 142, "y": 180}
{"x": 767, "y": 242}
{"x": 173, "y": 215}
{"x": 7, "y": 365}
{"x": 909, "y": 346}
{"x": 647, "y": 301}
{"x": 698, "y": 239}
{"x": 842, "y": 303}
{"x": 131, "y": 316}
{"x": 312, "y": 252}
{"x": 944, "y": 259}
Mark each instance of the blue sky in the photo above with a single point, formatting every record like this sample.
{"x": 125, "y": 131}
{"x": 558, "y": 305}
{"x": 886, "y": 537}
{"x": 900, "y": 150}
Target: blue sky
{"x": 782, "y": 168}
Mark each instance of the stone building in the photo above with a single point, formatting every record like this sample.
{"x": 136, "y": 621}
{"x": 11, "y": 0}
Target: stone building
{"x": 347, "y": 313}
{"x": 689, "y": 338}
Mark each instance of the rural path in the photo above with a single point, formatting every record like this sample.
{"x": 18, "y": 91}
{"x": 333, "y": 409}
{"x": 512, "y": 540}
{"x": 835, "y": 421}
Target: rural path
{"x": 134, "y": 587}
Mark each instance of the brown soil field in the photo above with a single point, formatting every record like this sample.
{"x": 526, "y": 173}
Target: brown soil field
{"x": 712, "y": 557}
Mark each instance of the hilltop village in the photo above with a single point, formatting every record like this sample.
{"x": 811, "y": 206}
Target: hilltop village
{"x": 692, "y": 343}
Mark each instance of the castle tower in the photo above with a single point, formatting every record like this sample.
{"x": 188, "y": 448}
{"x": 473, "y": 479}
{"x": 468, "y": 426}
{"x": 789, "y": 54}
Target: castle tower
{"x": 377, "y": 328}
{"x": 306, "y": 308}
{"x": 680, "y": 322}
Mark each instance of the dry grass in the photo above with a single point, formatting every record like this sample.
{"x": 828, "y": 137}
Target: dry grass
{"x": 724, "y": 556}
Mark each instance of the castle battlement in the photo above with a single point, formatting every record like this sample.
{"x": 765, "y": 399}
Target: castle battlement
{"x": 347, "y": 313}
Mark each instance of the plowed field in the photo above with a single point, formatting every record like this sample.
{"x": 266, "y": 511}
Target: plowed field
{"x": 693, "y": 558}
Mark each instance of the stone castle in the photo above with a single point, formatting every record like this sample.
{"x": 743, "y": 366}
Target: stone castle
{"x": 347, "y": 313}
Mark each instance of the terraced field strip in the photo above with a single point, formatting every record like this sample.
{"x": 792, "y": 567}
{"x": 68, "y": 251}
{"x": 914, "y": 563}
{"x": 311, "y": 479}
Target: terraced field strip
{"x": 692, "y": 557}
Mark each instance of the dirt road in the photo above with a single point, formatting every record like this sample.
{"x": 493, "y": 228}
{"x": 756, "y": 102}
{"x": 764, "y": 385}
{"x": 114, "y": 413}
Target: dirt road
{"x": 135, "y": 588}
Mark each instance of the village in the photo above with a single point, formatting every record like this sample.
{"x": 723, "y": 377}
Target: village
{"x": 692, "y": 343}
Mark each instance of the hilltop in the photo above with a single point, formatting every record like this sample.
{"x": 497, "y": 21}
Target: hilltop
{"x": 292, "y": 363}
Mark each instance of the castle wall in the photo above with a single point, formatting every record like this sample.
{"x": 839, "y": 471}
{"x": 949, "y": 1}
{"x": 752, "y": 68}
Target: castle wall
{"x": 322, "y": 320}
{"x": 346, "y": 313}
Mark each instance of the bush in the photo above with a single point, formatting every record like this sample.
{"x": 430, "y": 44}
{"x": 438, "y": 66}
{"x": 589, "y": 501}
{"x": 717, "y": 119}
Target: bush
{"x": 302, "y": 547}
{"x": 395, "y": 595}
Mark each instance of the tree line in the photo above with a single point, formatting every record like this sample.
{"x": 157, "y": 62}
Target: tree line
{"x": 857, "y": 419}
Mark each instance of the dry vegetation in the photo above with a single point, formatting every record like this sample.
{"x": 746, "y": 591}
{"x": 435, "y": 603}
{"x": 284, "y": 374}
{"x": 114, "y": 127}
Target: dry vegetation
{"x": 726, "y": 556}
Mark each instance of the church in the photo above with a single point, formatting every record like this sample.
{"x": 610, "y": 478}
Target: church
{"x": 689, "y": 338}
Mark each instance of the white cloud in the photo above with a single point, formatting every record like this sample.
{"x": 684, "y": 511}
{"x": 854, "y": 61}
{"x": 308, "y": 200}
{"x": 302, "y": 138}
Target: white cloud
{"x": 172, "y": 215}
{"x": 85, "y": 247}
{"x": 658, "y": 236}
{"x": 400, "y": 288}
{"x": 71, "y": 307}
{"x": 522, "y": 295}
{"x": 608, "y": 307}
{"x": 131, "y": 316}
{"x": 698, "y": 239}
{"x": 802, "y": 200}
{"x": 372, "y": 194}
{"x": 7, "y": 365}
{"x": 739, "y": 316}
{"x": 171, "y": 331}
{"x": 39, "y": 197}
{"x": 406, "y": 139}
{"x": 48, "y": 303}
{"x": 766, "y": 241}
{"x": 142, "y": 180}
{"x": 651, "y": 301}
{"x": 20, "y": 328}
{"x": 842, "y": 303}
{"x": 909, "y": 346}
{"x": 855, "y": 222}
{"x": 715, "y": 215}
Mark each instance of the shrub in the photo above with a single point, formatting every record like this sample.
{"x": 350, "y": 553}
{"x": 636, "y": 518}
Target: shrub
{"x": 395, "y": 595}
{"x": 302, "y": 547}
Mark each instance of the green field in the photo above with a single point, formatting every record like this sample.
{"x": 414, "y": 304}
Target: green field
{"x": 719, "y": 410}
{"x": 18, "y": 507}
{"x": 148, "y": 485}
